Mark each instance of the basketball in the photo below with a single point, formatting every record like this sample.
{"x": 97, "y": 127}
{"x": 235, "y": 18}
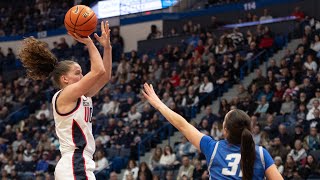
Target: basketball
{"x": 81, "y": 19}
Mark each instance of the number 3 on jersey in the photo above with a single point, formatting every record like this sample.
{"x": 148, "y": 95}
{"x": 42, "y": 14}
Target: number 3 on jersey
{"x": 234, "y": 160}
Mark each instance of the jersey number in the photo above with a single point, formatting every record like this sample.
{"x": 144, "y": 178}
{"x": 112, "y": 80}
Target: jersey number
{"x": 88, "y": 114}
{"x": 234, "y": 160}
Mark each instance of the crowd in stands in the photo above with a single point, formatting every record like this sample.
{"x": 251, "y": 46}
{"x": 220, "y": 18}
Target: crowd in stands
{"x": 40, "y": 15}
{"x": 32, "y": 16}
{"x": 186, "y": 78}
{"x": 284, "y": 106}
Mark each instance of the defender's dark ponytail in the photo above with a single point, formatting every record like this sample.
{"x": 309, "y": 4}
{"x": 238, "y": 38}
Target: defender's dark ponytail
{"x": 248, "y": 154}
{"x": 238, "y": 125}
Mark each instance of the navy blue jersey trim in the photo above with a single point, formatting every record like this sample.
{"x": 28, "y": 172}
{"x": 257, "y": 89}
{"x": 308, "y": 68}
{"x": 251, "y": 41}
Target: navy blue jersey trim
{"x": 78, "y": 161}
{"x": 72, "y": 111}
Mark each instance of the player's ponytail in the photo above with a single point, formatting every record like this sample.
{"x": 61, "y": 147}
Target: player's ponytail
{"x": 238, "y": 126}
{"x": 37, "y": 58}
{"x": 247, "y": 154}
{"x": 40, "y": 63}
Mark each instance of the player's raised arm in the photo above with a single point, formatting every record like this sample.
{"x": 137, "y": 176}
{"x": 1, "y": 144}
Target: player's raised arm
{"x": 189, "y": 131}
{"x": 72, "y": 92}
{"x": 104, "y": 40}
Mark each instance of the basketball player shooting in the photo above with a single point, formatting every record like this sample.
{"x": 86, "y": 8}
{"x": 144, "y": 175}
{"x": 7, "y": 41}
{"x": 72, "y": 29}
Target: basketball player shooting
{"x": 72, "y": 104}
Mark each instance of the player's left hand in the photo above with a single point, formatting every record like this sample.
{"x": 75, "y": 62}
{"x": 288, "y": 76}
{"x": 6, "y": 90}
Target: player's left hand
{"x": 151, "y": 96}
{"x": 104, "y": 39}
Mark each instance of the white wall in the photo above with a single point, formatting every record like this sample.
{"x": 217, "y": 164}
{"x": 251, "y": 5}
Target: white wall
{"x": 133, "y": 33}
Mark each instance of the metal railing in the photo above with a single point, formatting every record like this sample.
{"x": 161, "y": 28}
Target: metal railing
{"x": 252, "y": 64}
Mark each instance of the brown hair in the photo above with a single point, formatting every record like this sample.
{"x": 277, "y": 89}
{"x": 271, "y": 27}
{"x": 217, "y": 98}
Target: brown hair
{"x": 40, "y": 63}
{"x": 238, "y": 124}
{"x": 134, "y": 163}
{"x": 156, "y": 157}
{"x": 165, "y": 152}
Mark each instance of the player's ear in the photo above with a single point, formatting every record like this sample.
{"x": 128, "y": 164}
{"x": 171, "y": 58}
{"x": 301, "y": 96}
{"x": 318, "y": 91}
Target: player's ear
{"x": 225, "y": 132}
{"x": 64, "y": 79}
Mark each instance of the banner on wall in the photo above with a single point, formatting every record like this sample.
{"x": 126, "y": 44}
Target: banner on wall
{"x": 112, "y": 8}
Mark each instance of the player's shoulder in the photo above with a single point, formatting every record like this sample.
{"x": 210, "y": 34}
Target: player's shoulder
{"x": 56, "y": 94}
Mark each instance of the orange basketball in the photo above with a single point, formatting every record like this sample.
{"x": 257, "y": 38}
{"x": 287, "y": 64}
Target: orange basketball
{"x": 81, "y": 19}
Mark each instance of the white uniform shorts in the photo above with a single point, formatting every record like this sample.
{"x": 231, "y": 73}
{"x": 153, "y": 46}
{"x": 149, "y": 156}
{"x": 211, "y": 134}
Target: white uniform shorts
{"x": 75, "y": 166}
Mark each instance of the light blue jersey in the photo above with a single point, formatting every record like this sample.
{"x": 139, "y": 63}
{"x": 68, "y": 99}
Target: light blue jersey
{"x": 223, "y": 159}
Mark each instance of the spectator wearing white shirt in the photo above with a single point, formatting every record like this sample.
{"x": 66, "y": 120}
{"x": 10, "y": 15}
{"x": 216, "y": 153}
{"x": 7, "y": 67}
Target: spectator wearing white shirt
{"x": 168, "y": 158}
{"x": 216, "y": 131}
{"x": 9, "y": 167}
{"x": 278, "y": 163}
{"x": 101, "y": 164}
{"x": 298, "y": 153}
{"x": 27, "y": 154}
{"x": 317, "y": 97}
{"x": 44, "y": 110}
{"x": 266, "y": 15}
{"x": 186, "y": 169}
{"x": 310, "y": 64}
{"x": 205, "y": 89}
{"x": 221, "y": 48}
{"x": 101, "y": 161}
{"x": 236, "y": 36}
{"x": 310, "y": 114}
{"x": 103, "y": 137}
{"x": 316, "y": 45}
{"x": 18, "y": 142}
{"x": 263, "y": 106}
{"x": 132, "y": 170}
{"x": 134, "y": 114}
{"x": 108, "y": 106}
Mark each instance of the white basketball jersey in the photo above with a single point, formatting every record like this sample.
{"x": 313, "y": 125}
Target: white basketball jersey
{"x": 74, "y": 129}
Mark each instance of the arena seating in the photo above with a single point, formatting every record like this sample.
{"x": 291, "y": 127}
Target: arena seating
{"x": 283, "y": 117}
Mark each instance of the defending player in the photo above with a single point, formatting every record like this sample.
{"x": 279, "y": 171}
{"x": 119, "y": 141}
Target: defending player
{"x": 236, "y": 157}
{"x": 72, "y": 104}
